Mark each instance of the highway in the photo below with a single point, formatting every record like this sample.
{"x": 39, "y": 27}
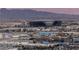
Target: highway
{"x": 30, "y": 44}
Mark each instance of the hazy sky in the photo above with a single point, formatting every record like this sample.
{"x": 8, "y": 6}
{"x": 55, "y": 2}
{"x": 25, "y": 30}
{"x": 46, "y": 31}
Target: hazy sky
{"x": 60, "y": 10}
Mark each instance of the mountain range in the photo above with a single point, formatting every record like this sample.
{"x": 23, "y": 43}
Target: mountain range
{"x": 28, "y": 14}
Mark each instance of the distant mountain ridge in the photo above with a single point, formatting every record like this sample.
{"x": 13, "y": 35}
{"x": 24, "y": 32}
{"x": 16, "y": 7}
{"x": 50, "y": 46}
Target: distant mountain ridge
{"x": 28, "y": 14}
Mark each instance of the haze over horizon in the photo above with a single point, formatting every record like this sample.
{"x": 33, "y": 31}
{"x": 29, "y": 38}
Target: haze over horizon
{"x": 72, "y": 11}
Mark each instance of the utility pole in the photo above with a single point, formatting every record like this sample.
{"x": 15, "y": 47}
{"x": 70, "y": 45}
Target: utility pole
{"x": 71, "y": 38}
